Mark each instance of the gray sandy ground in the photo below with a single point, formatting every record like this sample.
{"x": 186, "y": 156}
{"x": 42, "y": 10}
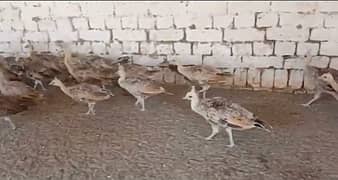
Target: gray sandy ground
{"x": 56, "y": 141}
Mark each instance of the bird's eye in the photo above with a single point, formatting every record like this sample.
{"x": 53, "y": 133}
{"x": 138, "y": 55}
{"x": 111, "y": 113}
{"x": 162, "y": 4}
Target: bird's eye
{"x": 190, "y": 96}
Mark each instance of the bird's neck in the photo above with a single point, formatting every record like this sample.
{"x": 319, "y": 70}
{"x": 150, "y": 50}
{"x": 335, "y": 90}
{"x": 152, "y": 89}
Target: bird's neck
{"x": 195, "y": 101}
{"x": 63, "y": 88}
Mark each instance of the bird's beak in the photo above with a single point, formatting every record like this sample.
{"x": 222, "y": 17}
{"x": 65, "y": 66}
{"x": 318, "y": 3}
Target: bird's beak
{"x": 185, "y": 98}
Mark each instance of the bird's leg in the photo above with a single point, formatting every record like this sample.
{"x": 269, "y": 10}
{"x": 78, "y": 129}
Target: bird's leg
{"x": 142, "y": 104}
{"x": 10, "y": 122}
{"x": 38, "y": 82}
{"x": 214, "y": 132}
{"x": 204, "y": 89}
{"x": 231, "y": 140}
{"x": 89, "y": 109}
{"x": 315, "y": 98}
{"x": 137, "y": 101}
{"x": 92, "y": 110}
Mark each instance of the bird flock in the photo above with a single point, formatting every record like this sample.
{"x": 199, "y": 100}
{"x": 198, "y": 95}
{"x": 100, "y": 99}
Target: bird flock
{"x": 85, "y": 80}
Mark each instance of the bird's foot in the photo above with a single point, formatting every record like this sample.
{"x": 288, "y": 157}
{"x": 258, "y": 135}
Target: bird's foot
{"x": 305, "y": 105}
{"x": 230, "y": 145}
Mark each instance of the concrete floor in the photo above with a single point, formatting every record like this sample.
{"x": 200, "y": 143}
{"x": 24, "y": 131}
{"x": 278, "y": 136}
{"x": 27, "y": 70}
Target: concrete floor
{"x": 55, "y": 140}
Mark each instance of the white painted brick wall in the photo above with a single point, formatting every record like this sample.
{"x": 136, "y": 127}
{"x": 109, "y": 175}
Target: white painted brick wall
{"x": 285, "y": 48}
{"x": 204, "y": 35}
{"x": 166, "y": 35}
{"x": 248, "y": 38}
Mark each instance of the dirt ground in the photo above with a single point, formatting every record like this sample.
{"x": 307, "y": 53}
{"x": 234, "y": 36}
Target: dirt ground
{"x": 55, "y": 140}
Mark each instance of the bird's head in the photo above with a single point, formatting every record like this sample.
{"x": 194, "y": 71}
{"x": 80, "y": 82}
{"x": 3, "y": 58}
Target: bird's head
{"x": 55, "y": 82}
{"x": 327, "y": 77}
{"x": 191, "y": 94}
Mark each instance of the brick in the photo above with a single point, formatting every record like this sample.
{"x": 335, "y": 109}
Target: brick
{"x": 267, "y": 78}
{"x": 267, "y": 19}
{"x": 298, "y": 6}
{"x": 214, "y": 8}
{"x": 129, "y": 9}
{"x": 93, "y": 9}
{"x": 15, "y": 46}
{"x": 147, "y": 60}
{"x": 164, "y": 49}
{"x": 303, "y": 48}
{"x": 221, "y": 49}
{"x": 146, "y": 22}
{"x": 296, "y": 79}
{"x": 243, "y": 35}
{"x": 148, "y": 48}
{"x": 254, "y": 77}
{"x": 245, "y": 20}
{"x": 9, "y": 13}
{"x": 130, "y": 35}
{"x": 169, "y": 76}
{"x": 164, "y": 22}
{"x": 320, "y": 61}
{"x": 30, "y": 12}
{"x": 166, "y": 35}
{"x": 113, "y": 22}
{"x": 240, "y": 76}
{"x": 95, "y": 35}
{"x": 130, "y": 47}
{"x": 99, "y": 48}
{"x": 80, "y": 23}
{"x": 287, "y": 34}
{"x": 114, "y": 50}
{"x": 168, "y": 8}
{"x": 223, "y": 21}
{"x": 40, "y": 46}
{"x": 262, "y": 62}
{"x": 30, "y": 25}
{"x": 47, "y": 25}
{"x": 334, "y": 63}
{"x": 64, "y": 24}
{"x": 35, "y": 36}
{"x": 187, "y": 59}
{"x": 129, "y": 22}
{"x": 294, "y": 63}
{"x": 331, "y": 20}
{"x": 5, "y": 47}
{"x": 202, "y": 48}
{"x": 18, "y": 25}
{"x": 64, "y": 9}
{"x": 18, "y": 4}
{"x": 263, "y": 48}
{"x": 223, "y": 61}
{"x": 326, "y": 6}
{"x": 241, "y": 49}
{"x": 194, "y": 22}
{"x": 204, "y": 35}
{"x": 303, "y": 20}
{"x": 96, "y": 23}
{"x": 65, "y": 36}
{"x": 182, "y": 48}
{"x": 285, "y": 48}
{"x": 5, "y": 26}
{"x": 329, "y": 49}
{"x": 281, "y": 78}
{"x": 82, "y": 48}
{"x": 324, "y": 34}
{"x": 247, "y": 6}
